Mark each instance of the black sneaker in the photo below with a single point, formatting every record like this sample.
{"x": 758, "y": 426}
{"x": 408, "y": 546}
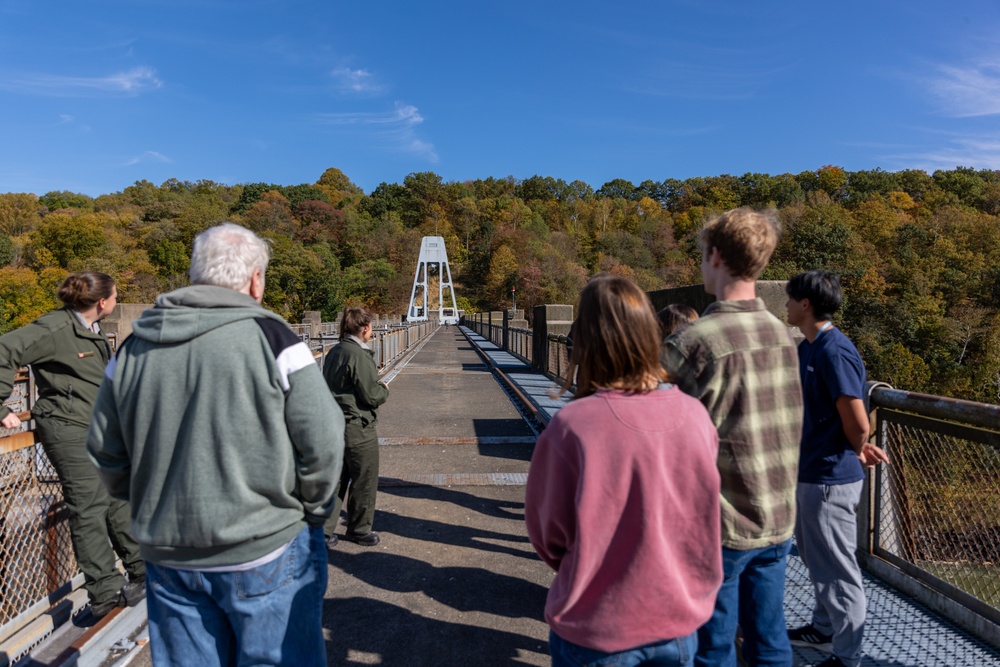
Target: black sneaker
{"x": 832, "y": 661}
{"x": 134, "y": 591}
{"x": 101, "y": 609}
{"x": 331, "y": 542}
{"x": 809, "y": 637}
{"x": 369, "y": 540}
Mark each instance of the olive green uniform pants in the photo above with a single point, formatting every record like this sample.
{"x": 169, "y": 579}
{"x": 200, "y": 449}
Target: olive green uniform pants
{"x": 358, "y": 481}
{"x": 98, "y": 523}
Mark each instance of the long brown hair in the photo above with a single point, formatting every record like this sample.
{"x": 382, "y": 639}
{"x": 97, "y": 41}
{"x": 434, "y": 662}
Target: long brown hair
{"x": 616, "y": 338}
{"x": 80, "y": 291}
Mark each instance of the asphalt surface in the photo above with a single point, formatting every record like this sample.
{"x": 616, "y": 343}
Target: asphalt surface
{"x": 454, "y": 580}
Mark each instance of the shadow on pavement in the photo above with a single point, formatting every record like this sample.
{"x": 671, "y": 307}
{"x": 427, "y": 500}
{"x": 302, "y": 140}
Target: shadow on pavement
{"x": 461, "y": 588}
{"x": 486, "y": 428}
{"x": 375, "y": 632}
{"x": 501, "y": 509}
{"x": 438, "y": 532}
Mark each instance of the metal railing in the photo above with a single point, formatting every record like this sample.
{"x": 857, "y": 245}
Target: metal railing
{"x": 494, "y": 332}
{"x": 935, "y": 509}
{"x": 558, "y": 357}
{"x": 391, "y": 344}
{"x": 36, "y": 554}
{"x": 519, "y": 343}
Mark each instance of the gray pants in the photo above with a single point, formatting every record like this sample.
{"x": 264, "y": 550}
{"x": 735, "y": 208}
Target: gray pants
{"x": 827, "y": 536}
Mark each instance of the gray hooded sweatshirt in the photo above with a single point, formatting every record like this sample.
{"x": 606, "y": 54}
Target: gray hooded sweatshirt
{"x": 215, "y": 422}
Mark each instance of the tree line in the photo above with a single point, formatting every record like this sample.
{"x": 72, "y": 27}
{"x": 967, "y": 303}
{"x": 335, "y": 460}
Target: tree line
{"x": 919, "y": 253}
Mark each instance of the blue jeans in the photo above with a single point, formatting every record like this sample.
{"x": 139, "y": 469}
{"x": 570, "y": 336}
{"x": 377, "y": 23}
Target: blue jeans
{"x": 752, "y": 596}
{"x": 271, "y": 615}
{"x": 672, "y": 652}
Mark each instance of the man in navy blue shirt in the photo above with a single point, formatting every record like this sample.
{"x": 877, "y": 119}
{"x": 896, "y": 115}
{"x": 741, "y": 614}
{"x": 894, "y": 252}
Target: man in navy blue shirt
{"x": 834, "y": 451}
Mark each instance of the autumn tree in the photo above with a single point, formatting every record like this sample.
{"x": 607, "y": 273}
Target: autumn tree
{"x": 18, "y": 213}
{"x": 72, "y": 237}
{"x": 22, "y": 298}
{"x": 502, "y": 275}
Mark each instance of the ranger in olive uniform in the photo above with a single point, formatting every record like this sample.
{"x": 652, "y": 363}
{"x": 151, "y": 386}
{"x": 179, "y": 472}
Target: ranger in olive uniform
{"x": 67, "y": 353}
{"x": 352, "y": 376}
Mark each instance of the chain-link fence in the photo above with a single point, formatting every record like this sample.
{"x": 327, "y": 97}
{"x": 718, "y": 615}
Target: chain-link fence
{"x": 937, "y": 505}
{"x": 36, "y": 555}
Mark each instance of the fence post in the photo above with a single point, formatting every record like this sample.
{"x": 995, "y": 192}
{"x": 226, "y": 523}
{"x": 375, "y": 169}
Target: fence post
{"x": 549, "y": 318}
{"x": 505, "y": 337}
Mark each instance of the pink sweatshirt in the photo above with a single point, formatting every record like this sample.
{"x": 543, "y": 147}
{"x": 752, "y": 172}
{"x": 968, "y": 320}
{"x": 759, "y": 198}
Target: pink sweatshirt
{"x": 623, "y": 502}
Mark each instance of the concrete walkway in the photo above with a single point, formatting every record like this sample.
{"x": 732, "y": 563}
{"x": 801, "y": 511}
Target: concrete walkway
{"x": 454, "y": 580}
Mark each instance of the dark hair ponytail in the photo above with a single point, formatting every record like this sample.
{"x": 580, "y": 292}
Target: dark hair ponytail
{"x": 354, "y": 320}
{"x": 80, "y": 291}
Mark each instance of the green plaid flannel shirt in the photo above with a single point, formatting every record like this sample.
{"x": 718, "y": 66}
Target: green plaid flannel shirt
{"x": 742, "y": 363}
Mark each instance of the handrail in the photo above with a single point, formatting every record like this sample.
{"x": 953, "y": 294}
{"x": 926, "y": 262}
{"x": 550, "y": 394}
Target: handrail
{"x": 931, "y": 524}
{"x": 18, "y": 441}
{"x": 938, "y": 407}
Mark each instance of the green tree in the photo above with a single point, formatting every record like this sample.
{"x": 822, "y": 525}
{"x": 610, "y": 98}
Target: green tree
{"x": 862, "y": 186}
{"x": 65, "y": 199}
{"x": 7, "y": 251}
{"x": 618, "y": 187}
{"x": 70, "y": 237}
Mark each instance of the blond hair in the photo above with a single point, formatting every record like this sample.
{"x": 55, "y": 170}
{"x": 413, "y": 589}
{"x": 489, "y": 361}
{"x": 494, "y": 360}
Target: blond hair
{"x": 745, "y": 239}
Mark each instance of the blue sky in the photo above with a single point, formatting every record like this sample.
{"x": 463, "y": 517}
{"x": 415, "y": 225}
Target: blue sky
{"x": 97, "y": 94}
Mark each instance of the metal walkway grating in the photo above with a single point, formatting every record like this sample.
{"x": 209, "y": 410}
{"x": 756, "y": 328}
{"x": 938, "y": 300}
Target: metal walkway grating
{"x": 898, "y": 631}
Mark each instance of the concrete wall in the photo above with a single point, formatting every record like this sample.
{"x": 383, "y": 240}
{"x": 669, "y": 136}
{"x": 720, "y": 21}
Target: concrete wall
{"x": 772, "y": 291}
{"x": 119, "y": 322}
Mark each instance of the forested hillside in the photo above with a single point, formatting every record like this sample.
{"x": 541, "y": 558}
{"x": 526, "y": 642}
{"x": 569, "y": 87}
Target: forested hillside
{"x": 919, "y": 253}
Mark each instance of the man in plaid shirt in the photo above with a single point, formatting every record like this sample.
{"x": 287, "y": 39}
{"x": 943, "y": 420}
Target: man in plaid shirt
{"x": 741, "y": 362}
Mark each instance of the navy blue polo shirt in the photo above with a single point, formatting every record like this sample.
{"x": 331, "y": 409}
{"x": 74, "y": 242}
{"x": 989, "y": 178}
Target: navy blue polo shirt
{"x": 830, "y": 367}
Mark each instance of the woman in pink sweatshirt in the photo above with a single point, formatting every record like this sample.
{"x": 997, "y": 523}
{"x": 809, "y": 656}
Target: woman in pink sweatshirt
{"x": 623, "y": 496}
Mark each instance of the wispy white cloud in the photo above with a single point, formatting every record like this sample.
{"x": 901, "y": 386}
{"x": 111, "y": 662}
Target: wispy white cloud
{"x": 977, "y": 151}
{"x": 968, "y": 90}
{"x": 70, "y": 121}
{"x": 358, "y": 81}
{"x": 402, "y": 115}
{"x": 131, "y": 82}
{"x": 396, "y": 128}
{"x": 148, "y": 156}
{"x": 702, "y": 82}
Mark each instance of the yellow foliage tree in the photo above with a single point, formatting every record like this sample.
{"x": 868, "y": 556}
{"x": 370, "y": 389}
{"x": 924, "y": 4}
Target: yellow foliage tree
{"x": 22, "y": 298}
{"x": 502, "y": 274}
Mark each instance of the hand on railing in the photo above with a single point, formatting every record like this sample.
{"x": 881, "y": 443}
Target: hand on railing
{"x": 13, "y": 420}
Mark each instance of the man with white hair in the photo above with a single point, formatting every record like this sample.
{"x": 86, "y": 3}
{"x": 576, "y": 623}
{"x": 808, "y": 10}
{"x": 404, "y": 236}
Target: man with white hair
{"x": 215, "y": 422}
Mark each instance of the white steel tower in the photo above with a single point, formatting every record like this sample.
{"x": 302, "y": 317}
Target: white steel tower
{"x": 432, "y": 267}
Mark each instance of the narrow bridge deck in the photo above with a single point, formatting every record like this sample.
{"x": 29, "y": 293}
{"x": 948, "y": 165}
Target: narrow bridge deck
{"x": 454, "y": 580}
